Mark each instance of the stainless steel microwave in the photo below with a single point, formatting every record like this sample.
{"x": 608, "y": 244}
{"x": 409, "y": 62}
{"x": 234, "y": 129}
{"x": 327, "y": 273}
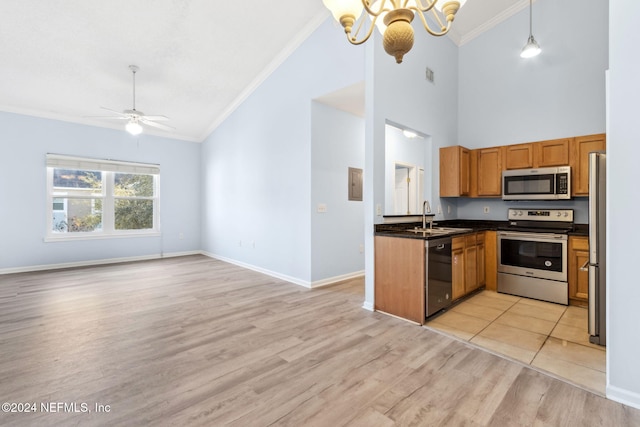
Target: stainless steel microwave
{"x": 537, "y": 184}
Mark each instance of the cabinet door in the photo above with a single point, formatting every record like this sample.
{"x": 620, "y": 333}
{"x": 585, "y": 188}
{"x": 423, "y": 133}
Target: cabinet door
{"x": 458, "y": 267}
{"x": 519, "y": 156}
{"x": 454, "y": 171}
{"x": 490, "y": 171}
{"x": 400, "y": 277}
{"x": 465, "y": 164}
{"x": 471, "y": 263}
{"x": 480, "y": 256}
{"x": 491, "y": 260}
{"x": 578, "y": 277}
{"x": 582, "y": 146}
{"x": 551, "y": 153}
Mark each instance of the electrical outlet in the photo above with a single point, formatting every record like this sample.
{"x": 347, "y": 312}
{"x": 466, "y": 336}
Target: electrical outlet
{"x": 448, "y": 209}
{"x": 439, "y": 209}
{"x": 486, "y": 209}
{"x": 379, "y": 210}
{"x": 361, "y": 249}
{"x": 322, "y": 208}
{"x": 181, "y": 236}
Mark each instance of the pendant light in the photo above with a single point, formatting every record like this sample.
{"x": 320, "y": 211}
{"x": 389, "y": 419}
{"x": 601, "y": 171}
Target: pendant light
{"x": 532, "y": 48}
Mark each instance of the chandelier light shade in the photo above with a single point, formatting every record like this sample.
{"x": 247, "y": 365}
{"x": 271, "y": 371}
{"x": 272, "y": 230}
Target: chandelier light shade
{"x": 532, "y": 48}
{"x": 393, "y": 19}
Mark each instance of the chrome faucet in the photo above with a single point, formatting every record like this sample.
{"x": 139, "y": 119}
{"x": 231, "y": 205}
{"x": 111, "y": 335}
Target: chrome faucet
{"x": 426, "y": 207}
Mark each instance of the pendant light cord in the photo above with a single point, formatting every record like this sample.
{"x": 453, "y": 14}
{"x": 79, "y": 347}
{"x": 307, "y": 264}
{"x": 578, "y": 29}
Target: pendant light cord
{"x": 530, "y": 18}
{"x": 134, "y": 90}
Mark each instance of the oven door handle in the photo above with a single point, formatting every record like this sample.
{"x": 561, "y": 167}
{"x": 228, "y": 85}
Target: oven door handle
{"x": 533, "y": 236}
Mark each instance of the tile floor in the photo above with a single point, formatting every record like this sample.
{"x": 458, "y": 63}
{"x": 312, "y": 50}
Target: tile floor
{"x": 548, "y": 336}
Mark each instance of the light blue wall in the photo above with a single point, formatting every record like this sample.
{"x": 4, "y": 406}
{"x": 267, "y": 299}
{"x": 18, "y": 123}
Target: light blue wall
{"x": 623, "y": 234}
{"x": 401, "y": 94}
{"x": 26, "y": 141}
{"x": 257, "y": 164}
{"x": 505, "y": 99}
{"x": 337, "y": 143}
{"x": 412, "y": 151}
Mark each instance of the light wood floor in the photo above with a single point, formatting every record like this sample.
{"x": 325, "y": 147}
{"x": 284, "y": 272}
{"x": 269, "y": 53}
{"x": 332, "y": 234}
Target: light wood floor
{"x": 195, "y": 341}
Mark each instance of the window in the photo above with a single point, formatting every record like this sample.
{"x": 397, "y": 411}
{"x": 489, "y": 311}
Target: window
{"x": 90, "y": 198}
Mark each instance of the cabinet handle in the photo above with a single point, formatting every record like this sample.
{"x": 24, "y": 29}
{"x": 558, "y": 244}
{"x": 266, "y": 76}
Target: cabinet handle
{"x": 584, "y": 266}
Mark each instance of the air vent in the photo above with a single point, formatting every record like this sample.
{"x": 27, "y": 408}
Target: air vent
{"x": 429, "y": 74}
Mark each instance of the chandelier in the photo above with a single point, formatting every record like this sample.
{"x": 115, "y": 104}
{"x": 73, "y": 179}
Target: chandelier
{"x": 393, "y": 20}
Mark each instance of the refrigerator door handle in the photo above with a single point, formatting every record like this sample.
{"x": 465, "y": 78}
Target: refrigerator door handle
{"x": 593, "y": 208}
{"x": 585, "y": 266}
{"x": 593, "y": 270}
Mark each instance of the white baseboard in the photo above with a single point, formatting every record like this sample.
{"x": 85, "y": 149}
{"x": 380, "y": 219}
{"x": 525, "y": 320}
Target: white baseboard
{"x": 368, "y": 306}
{"x": 90, "y": 263}
{"x": 336, "y": 279}
{"x": 284, "y": 277}
{"x": 623, "y": 396}
{"x": 294, "y": 280}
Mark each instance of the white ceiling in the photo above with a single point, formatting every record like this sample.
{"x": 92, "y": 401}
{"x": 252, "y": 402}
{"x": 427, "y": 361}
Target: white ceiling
{"x": 198, "y": 59}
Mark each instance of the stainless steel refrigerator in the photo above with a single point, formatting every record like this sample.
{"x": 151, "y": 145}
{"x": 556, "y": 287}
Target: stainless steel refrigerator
{"x": 597, "y": 248}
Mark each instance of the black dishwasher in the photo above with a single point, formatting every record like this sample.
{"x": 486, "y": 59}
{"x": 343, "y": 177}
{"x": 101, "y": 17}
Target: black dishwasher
{"x": 438, "y": 274}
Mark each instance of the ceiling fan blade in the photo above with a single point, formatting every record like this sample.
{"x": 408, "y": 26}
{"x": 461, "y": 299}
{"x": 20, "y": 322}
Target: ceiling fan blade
{"x": 119, "y": 113}
{"x": 154, "y": 124}
{"x": 106, "y": 117}
{"x": 156, "y": 118}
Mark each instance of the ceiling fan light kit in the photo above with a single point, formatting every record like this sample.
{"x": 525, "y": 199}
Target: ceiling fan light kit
{"x": 135, "y": 119}
{"x": 393, "y": 20}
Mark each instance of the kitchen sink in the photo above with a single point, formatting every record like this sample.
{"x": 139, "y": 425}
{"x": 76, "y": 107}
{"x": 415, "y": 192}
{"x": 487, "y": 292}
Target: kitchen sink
{"x": 437, "y": 231}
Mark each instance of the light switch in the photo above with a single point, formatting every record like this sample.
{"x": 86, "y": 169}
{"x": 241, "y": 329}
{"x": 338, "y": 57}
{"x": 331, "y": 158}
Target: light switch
{"x": 322, "y": 208}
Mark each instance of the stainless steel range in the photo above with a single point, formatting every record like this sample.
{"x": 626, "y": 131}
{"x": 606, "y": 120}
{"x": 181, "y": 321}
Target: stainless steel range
{"x": 532, "y": 254}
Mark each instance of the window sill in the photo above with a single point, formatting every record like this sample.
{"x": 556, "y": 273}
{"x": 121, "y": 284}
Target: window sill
{"x": 67, "y": 238}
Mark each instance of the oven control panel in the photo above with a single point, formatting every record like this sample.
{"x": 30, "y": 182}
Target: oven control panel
{"x": 557, "y": 215}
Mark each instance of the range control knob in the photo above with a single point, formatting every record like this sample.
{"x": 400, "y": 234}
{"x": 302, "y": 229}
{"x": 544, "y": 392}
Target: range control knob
{"x": 559, "y": 213}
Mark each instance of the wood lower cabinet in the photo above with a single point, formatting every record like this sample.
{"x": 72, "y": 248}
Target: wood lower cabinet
{"x": 400, "y": 277}
{"x": 471, "y": 263}
{"x": 578, "y": 274}
{"x": 551, "y": 153}
{"x": 581, "y": 147}
{"x": 458, "y": 268}
{"x": 481, "y": 259}
{"x": 491, "y": 260}
{"x": 455, "y": 163}
{"x": 468, "y": 263}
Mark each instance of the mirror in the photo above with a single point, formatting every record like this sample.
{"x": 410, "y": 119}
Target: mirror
{"x": 406, "y": 160}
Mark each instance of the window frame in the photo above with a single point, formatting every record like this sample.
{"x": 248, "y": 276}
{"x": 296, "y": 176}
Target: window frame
{"x": 108, "y": 169}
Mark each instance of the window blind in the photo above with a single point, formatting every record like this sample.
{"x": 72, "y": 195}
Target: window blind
{"x": 82, "y": 163}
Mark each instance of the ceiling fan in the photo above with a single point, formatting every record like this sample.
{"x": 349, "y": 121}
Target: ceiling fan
{"x": 135, "y": 118}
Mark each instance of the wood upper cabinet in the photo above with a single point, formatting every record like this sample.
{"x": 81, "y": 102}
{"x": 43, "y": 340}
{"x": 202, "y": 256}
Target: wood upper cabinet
{"x": 551, "y": 153}
{"x": 400, "y": 277}
{"x": 581, "y": 147}
{"x": 458, "y": 268}
{"x": 455, "y": 163}
{"x": 489, "y": 171}
{"x": 518, "y": 156}
{"x": 578, "y": 275}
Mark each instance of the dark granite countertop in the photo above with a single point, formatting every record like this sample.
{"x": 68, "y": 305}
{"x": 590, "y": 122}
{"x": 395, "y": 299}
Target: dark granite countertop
{"x": 466, "y": 226}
